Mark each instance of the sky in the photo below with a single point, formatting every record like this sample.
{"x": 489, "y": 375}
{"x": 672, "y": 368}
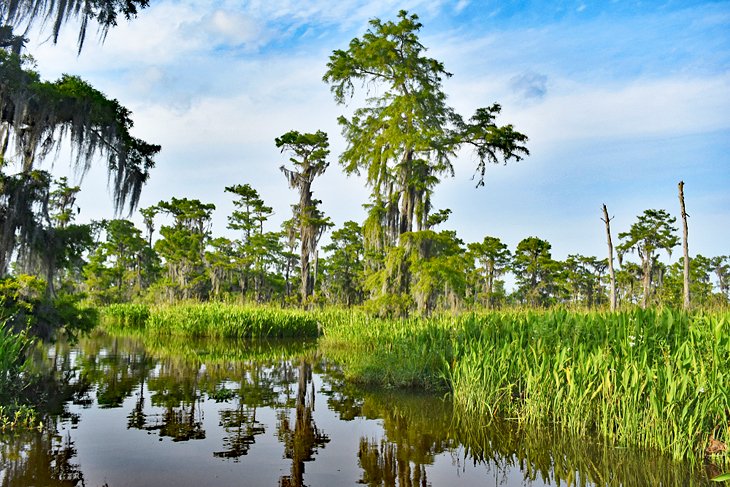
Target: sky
{"x": 620, "y": 100}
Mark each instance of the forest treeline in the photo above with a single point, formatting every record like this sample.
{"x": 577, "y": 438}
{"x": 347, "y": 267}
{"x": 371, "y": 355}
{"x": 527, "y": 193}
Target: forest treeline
{"x": 177, "y": 257}
{"x": 394, "y": 263}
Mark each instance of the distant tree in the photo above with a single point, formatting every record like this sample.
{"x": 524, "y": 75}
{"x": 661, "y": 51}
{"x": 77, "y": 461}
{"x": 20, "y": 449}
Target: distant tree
{"x": 249, "y": 217}
{"x": 437, "y": 265}
{"x": 121, "y": 266}
{"x": 290, "y": 236}
{"x": 345, "y": 265}
{"x": 55, "y": 246}
{"x": 721, "y": 267}
{"x": 582, "y": 278}
{"x": 405, "y": 136}
{"x": 611, "y": 273}
{"x": 309, "y": 153}
{"x": 494, "y": 259}
{"x": 628, "y": 283}
{"x": 220, "y": 262}
{"x": 37, "y": 118}
{"x": 700, "y": 278}
{"x": 652, "y": 232}
{"x": 534, "y": 270}
{"x": 183, "y": 246}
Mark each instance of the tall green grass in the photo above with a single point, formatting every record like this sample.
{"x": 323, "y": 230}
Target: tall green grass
{"x": 656, "y": 379}
{"x": 13, "y": 380}
{"x": 217, "y": 320}
{"x": 407, "y": 352}
{"x": 653, "y": 379}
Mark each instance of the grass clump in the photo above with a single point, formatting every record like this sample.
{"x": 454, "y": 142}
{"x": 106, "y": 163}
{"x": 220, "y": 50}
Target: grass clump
{"x": 655, "y": 379}
{"x": 14, "y": 380}
{"x": 406, "y": 352}
{"x": 659, "y": 380}
{"x": 217, "y": 320}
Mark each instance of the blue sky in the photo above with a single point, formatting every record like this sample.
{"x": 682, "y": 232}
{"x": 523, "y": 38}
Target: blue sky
{"x": 621, "y": 100}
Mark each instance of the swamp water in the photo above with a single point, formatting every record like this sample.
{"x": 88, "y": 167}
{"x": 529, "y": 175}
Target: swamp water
{"x": 129, "y": 411}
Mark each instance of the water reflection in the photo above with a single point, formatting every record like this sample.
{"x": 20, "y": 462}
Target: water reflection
{"x": 303, "y": 439}
{"x": 39, "y": 459}
{"x": 231, "y": 412}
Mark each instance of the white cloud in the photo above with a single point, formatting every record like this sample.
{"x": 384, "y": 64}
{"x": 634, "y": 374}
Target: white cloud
{"x": 669, "y": 106}
{"x": 216, "y": 112}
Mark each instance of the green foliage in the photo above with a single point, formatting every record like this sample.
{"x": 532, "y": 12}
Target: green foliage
{"x": 403, "y": 141}
{"x": 14, "y": 379}
{"x": 18, "y": 417}
{"x": 13, "y": 347}
{"x": 253, "y": 259}
{"x": 20, "y": 299}
{"x": 652, "y": 379}
{"x": 722, "y": 478}
{"x": 653, "y": 231}
{"x": 344, "y": 269}
{"x": 405, "y": 352}
{"x": 437, "y": 267}
{"x": 308, "y": 155}
{"x": 535, "y": 271}
{"x": 648, "y": 379}
{"x": 404, "y": 138}
{"x": 121, "y": 266}
{"x": 213, "y": 320}
{"x": 494, "y": 258}
{"x": 25, "y": 306}
{"x": 183, "y": 247}
{"x": 94, "y": 124}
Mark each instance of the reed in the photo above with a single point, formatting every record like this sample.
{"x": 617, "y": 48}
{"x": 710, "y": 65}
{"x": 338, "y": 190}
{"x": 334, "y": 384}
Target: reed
{"x": 217, "y": 320}
{"x": 656, "y": 379}
{"x": 13, "y": 380}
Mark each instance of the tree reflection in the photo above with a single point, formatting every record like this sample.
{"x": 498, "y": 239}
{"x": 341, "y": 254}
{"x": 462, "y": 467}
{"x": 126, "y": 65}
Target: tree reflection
{"x": 303, "y": 440}
{"x": 42, "y": 460}
{"x": 168, "y": 391}
{"x": 385, "y": 464}
{"x": 242, "y": 428}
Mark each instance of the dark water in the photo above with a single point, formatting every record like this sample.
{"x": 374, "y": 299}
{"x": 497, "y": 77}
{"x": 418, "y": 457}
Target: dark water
{"x": 134, "y": 412}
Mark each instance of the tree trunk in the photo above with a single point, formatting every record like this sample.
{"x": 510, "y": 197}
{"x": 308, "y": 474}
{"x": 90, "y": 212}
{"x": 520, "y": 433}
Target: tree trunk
{"x": 304, "y": 264}
{"x": 611, "y": 273}
{"x": 490, "y": 283}
{"x": 646, "y": 268}
{"x": 685, "y": 247}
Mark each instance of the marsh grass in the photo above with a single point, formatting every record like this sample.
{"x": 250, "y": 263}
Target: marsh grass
{"x": 212, "y": 351}
{"x": 658, "y": 380}
{"x": 217, "y": 320}
{"x": 407, "y": 352}
{"x": 13, "y": 380}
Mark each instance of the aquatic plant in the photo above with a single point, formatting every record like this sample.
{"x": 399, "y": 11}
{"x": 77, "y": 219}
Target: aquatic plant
{"x": 213, "y": 320}
{"x": 655, "y": 379}
{"x": 13, "y": 348}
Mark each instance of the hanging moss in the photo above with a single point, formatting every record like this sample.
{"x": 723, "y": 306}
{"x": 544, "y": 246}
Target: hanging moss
{"x": 24, "y": 13}
{"x": 36, "y": 116}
